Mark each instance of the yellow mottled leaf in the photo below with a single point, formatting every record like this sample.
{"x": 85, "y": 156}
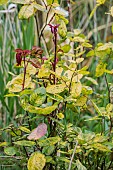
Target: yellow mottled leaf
{"x": 100, "y": 69}
{"x": 53, "y": 89}
{"x": 60, "y": 115}
{"x": 3, "y": 2}
{"x": 76, "y": 89}
{"x": 100, "y": 2}
{"x": 36, "y": 161}
{"x": 26, "y": 11}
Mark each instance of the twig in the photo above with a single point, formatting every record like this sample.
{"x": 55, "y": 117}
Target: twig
{"x": 73, "y": 156}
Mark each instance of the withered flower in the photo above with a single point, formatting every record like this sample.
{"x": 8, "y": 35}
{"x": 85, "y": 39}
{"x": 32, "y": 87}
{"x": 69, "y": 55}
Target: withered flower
{"x": 54, "y": 28}
{"x": 21, "y": 53}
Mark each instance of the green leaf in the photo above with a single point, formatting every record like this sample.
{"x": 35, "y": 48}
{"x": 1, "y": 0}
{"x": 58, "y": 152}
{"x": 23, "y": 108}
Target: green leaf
{"x": 105, "y": 46}
{"x": 101, "y": 147}
{"x": 78, "y": 39}
{"x": 66, "y": 48}
{"x": 36, "y": 161}
{"x": 43, "y": 71}
{"x": 77, "y": 31}
{"x": 100, "y": 2}
{"x": 48, "y": 150}
{"x": 10, "y": 151}
{"x": 49, "y": 159}
{"x": 60, "y": 115}
{"x": 3, "y": 2}
{"x": 109, "y": 107}
{"x": 86, "y": 90}
{"x": 20, "y": 1}
{"x": 90, "y": 53}
{"x": 79, "y": 60}
{"x": 39, "y": 7}
{"x": 26, "y": 11}
{"x": 62, "y": 29}
{"x": 11, "y": 95}
{"x": 49, "y": 141}
{"x": 53, "y": 89}
{"x": 43, "y": 111}
{"x": 2, "y": 144}
{"x": 96, "y": 108}
{"x": 92, "y": 80}
{"x": 25, "y": 143}
{"x": 24, "y": 129}
{"x": 87, "y": 45}
{"x": 81, "y": 101}
{"x": 49, "y": 2}
{"x": 37, "y": 99}
{"x": 79, "y": 165}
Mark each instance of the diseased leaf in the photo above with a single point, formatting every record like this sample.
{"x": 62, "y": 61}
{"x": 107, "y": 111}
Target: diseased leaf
{"x": 36, "y": 161}
{"x": 38, "y": 132}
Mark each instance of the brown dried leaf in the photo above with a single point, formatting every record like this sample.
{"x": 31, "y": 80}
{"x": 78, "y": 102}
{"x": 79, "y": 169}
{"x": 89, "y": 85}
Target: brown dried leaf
{"x": 38, "y": 132}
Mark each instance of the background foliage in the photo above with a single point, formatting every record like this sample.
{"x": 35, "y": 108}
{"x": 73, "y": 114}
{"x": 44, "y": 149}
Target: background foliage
{"x": 62, "y": 115}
